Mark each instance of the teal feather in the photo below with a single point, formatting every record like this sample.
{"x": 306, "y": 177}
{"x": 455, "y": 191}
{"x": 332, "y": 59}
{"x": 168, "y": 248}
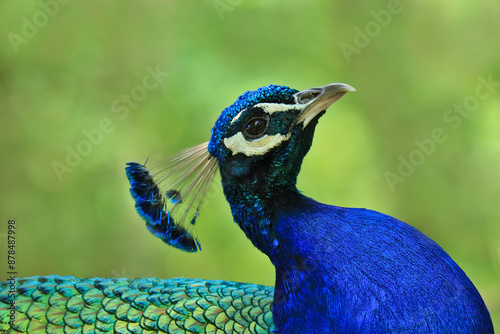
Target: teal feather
{"x": 55, "y": 304}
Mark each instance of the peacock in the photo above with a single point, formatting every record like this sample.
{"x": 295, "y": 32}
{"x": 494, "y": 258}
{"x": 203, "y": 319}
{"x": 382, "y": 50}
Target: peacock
{"x": 338, "y": 269}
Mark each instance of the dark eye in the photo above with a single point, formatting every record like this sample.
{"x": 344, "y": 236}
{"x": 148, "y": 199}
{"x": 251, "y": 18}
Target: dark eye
{"x": 255, "y": 128}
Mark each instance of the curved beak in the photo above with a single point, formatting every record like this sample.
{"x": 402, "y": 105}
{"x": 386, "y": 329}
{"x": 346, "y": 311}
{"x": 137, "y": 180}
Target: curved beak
{"x": 318, "y": 99}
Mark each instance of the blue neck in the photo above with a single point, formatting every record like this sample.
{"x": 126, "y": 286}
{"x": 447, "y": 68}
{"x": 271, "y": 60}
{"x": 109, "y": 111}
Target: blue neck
{"x": 300, "y": 288}
{"x": 257, "y": 213}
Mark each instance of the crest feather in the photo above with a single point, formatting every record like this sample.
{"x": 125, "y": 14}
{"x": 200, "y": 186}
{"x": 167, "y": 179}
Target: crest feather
{"x": 169, "y": 194}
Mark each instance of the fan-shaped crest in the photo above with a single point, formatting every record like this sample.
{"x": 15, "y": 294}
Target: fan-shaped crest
{"x": 169, "y": 194}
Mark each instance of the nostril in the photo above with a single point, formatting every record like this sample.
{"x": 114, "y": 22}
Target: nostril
{"x": 307, "y": 96}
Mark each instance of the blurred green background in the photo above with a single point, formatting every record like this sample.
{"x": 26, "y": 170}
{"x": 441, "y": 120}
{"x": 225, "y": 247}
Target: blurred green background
{"x": 67, "y": 67}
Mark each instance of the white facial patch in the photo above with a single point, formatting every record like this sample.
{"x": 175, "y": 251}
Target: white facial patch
{"x": 238, "y": 144}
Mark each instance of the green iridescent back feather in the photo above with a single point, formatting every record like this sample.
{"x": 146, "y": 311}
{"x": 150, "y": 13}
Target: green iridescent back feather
{"x": 55, "y": 304}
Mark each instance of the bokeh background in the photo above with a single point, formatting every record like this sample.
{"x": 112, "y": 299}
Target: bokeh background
{"x": 72, "y": 68}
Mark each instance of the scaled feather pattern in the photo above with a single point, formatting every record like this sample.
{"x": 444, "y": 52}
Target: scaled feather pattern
{"x": 55, "y": 304}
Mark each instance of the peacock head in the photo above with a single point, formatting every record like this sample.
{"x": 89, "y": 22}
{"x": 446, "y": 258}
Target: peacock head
{"x": 263, "y": 137}
{"x": 258, "y": 144}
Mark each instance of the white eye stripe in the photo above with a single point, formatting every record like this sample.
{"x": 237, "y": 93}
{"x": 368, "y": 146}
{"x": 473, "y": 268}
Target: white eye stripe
{"x": 238, "y": 144}
{"x": 237, "y": 116}
{"x": 271, "y": 108}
